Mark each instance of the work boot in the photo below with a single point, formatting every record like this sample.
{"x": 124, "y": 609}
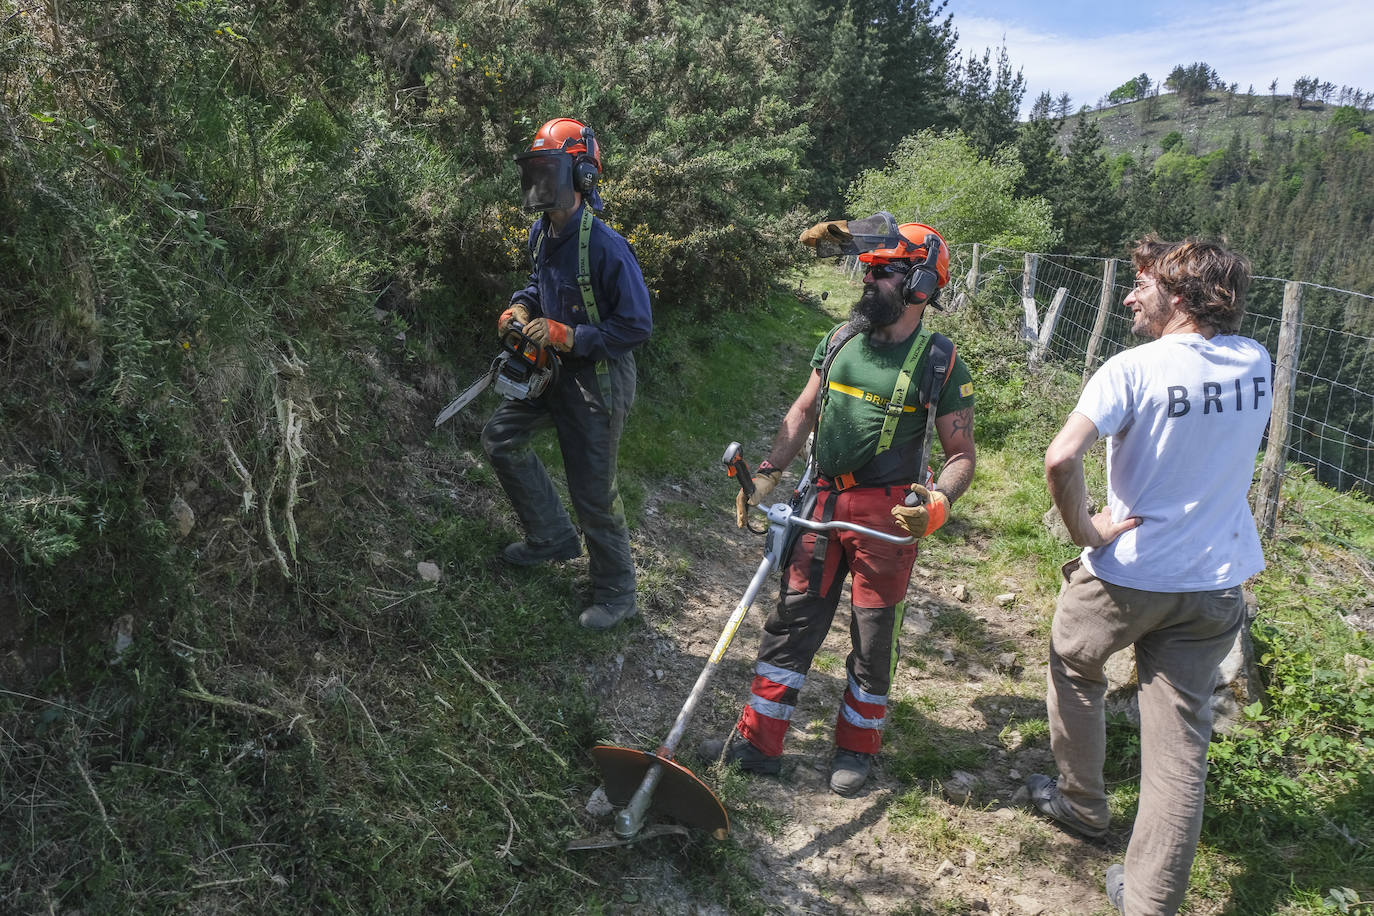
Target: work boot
{"x": 740, "y": 752}
{"x": 531, "y": 553}
{"x": 603, "y": 616}
{"x": 849, "y": 771}
{"x": 1049, "y": 801}
{"x": 1116, "y": 887}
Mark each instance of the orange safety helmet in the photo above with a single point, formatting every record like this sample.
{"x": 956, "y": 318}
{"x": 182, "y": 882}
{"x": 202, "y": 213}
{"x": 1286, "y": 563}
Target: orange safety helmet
{"x": 912, "y": 247}
{"x": 569, "y": 136}
{"x": 563, "y": 158}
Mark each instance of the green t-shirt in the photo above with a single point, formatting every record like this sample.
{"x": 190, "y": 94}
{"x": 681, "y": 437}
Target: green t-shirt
{"x": 859, "y": 386}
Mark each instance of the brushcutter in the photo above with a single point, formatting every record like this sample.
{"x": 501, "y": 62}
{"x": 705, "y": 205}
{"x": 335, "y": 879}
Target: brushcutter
{"x": 640, "y": 781}
{"x": 523, "y": 370}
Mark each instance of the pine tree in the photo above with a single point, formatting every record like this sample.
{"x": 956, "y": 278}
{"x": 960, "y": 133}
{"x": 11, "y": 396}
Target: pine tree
{"x": 1042, "y": 164}
{"x": 1088, "y": 207}
{"x": 987, "y": 107}
{"x": 870, "y": 72}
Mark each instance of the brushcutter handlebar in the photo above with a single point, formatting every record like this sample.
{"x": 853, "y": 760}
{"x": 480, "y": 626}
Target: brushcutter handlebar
{"x": 781, "y": 514}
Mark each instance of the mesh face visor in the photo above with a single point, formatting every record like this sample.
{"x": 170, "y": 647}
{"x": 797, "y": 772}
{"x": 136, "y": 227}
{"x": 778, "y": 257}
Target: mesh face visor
{"x": 545, "y": 180}
{"x": 867, "y": 234}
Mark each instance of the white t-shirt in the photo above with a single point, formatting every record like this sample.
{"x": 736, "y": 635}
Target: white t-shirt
{"x": 1184, "y": 416}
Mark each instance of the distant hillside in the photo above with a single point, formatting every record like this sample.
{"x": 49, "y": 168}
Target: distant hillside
{"x": 1138, "y": 127}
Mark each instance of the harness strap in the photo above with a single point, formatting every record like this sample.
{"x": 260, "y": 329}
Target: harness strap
{"x": 827, "y": 498}
{"x": 584, "y": 284}
{"x": 899, "y": 391}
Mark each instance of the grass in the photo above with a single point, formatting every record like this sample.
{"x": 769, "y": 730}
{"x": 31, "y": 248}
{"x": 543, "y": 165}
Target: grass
{"x": 922, "y": 819}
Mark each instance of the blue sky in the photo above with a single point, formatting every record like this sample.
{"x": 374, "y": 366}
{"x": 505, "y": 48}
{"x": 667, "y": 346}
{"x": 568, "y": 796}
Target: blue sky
{"x": 1087, "y": 49}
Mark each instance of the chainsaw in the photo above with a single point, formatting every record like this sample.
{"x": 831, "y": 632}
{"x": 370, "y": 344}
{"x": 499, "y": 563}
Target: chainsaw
{"x": 523, "y": 370}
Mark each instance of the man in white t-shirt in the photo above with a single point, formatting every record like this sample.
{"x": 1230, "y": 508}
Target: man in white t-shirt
{"x": 1163, "y": 563}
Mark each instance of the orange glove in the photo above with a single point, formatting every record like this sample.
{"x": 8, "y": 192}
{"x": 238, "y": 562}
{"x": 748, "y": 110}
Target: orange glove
{"x": 517, "y": 312}
{"x": 920, "y": 521}
{"x": 834, "y": 230}
{"x": 549, "y": 333}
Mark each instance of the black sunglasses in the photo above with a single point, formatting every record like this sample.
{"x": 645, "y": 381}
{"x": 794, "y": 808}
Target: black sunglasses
{"x": 886, "y": 270}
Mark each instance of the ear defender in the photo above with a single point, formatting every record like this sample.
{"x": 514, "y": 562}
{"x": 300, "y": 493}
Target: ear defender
{"x": 922, "y": 280}
{"x": 921, "y": 284}
{"x": 584, "y": 166}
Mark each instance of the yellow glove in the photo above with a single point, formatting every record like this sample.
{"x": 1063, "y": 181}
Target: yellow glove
{"x": 517, "y": 312}
{"x": 549, "y": 333}
{"x": 764, "y": 482}
{"x": 924, "y": 519}
{"x": 835, "y": 230}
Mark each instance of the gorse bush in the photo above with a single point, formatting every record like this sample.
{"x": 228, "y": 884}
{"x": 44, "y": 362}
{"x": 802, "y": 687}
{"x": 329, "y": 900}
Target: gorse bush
{"x": 38, "y": 525}
{"x": 222, "y": 203}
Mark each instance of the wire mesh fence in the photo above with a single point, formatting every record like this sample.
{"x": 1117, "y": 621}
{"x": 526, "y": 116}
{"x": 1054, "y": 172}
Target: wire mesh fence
{"x": 1075, "y": 314}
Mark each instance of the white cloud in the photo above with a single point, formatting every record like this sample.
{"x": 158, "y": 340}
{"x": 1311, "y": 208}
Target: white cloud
{"x": 1246, "y": 44}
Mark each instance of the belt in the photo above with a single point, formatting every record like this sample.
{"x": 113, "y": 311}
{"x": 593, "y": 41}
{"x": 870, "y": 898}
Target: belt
{"x": 576, "y": 363}
{"x": 841, "y": 482}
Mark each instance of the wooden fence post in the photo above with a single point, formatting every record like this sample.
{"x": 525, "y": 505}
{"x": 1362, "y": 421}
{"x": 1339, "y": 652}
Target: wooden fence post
{"x": 1285, "y": 377}
{"x": 1051, "y": 319}
{"x": 1030, "y": 327}
{"x": 1104, "y": 304}
{"x": 972, "y": 283}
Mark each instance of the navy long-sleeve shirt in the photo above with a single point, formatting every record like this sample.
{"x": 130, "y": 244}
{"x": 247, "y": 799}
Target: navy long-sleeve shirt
{"x": 622, "y": 298}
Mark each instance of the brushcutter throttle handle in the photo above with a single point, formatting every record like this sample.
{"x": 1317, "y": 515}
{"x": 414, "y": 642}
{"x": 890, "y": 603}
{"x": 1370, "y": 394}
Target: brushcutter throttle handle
{"x": 913, "y": 498}
{"x": 733, "y": 459}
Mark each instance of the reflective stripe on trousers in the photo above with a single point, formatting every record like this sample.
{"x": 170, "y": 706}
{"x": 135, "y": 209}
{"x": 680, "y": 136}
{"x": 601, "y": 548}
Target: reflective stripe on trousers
{"x": 797, "y": 627}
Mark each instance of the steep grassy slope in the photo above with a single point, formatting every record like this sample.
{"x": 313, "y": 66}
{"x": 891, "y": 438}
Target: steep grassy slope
{"x": 357, "y": 738}
{"x": 1138, "y": 127}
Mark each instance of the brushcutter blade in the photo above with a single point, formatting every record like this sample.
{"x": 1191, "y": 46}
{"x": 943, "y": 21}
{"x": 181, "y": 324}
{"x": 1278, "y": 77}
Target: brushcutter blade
{"x": 679, "y": 795}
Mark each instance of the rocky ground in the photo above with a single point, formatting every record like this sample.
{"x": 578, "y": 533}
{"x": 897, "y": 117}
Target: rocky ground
{"x": 962, "y": 843}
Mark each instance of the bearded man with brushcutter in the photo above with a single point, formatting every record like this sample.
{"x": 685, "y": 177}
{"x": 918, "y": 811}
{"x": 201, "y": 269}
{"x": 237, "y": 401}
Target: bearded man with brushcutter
{"x": 881, "y": 385}
{"x": 588, "y": 301}
{"x": 1163, "y": 564}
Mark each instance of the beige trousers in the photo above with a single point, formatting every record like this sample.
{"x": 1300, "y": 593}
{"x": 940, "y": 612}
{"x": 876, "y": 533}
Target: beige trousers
{"x": 1180, "y": 638}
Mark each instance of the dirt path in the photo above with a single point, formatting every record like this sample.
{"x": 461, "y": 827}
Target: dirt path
{"x": 960, "y": 843}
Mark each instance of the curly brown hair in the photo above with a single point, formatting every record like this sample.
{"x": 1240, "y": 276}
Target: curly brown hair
{"x": 1209, "y": 279}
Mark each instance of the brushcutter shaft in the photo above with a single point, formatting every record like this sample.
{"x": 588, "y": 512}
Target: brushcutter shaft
{"x": 630, "y": 819}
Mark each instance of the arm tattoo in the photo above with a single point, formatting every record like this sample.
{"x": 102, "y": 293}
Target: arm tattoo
{"x": 960, "y": 455}
{"x": 963, "y": 423}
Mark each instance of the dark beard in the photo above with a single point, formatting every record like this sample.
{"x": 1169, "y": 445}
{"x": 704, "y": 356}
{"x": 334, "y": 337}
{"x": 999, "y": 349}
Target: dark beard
{"x": 875, "y": 310}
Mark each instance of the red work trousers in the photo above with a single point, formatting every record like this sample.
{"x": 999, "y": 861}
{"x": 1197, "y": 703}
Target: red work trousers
{"x": 810, "y": 594}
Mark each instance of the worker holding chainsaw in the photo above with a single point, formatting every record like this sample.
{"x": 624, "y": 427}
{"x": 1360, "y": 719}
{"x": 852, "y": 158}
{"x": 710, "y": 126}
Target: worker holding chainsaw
{"x": 587, "y": 302}
{"x": 882, "y": 384}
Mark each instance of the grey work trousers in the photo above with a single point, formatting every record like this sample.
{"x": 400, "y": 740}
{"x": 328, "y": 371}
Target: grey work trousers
{"x": 589, "y": 438}
{"x": 1180, "y": 638}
